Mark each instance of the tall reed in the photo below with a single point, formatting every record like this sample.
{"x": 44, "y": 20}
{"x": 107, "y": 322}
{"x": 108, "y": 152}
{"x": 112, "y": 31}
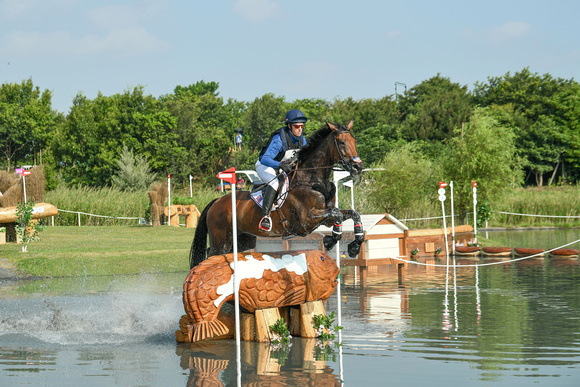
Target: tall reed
{"x": 558, "y": 201}
{"x": 110, "y": 202}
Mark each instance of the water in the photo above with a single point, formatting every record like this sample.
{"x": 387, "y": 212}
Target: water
{"x": 510, "y": 324}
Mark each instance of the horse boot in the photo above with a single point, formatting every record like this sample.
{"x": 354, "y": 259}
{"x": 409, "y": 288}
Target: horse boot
{"x": 268, "y": 194}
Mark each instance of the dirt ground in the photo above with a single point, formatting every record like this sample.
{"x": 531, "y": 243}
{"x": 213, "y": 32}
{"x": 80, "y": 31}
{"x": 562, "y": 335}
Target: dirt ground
{"x": 8, "y": 271}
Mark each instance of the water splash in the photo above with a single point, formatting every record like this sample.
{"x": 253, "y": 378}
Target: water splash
{"x": 112, "y": 317}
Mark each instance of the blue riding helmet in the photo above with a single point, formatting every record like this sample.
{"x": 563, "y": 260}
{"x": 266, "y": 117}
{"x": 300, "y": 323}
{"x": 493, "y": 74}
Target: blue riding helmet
{"x": 295, "y": 115}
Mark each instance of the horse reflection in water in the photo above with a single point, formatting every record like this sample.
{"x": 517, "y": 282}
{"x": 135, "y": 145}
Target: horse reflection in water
{"x": 309, "y": 204}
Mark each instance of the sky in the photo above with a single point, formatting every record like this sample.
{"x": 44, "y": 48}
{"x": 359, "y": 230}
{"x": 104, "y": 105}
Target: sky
{"x": 295, "y": 49}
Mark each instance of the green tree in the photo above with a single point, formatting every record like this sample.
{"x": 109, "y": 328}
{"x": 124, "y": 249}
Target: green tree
{"x": 27, "y": 122}
{"x": 134, "y": 172}
{"x": 199, "y": 88}
{"x": 432, "y": 109}
{"x": 203, "y": 128}
{"x": 87, "y": 144}
{"x": 567, "y": 117}
{"x": 264, "y": 115}
{"x": 545, "y": 105}
{"x": 484, "y": 151}
{"x": 404, "y": 182}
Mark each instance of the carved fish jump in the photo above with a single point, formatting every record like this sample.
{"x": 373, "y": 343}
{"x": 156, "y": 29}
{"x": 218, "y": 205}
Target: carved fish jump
{"x": 265, "y": 280}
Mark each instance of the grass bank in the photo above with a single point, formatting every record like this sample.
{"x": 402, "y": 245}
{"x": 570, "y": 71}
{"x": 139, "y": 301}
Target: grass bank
{"x": 103, "y": 250}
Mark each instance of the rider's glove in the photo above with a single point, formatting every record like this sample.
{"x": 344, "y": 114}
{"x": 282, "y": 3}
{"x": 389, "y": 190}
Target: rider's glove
{"x": 285, "y": 166}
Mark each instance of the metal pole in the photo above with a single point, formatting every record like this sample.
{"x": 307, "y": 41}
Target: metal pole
{"x": 24, "y": 186}
{"x": 452, "y": 219}
{"x": 338, "y": 296}
{"x": 236, "y": 284}
{"x": 475, "y": 211}
{"x": 169, "y": 199}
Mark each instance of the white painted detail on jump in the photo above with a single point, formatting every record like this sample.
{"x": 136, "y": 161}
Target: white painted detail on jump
{"x": 254, "y": 268}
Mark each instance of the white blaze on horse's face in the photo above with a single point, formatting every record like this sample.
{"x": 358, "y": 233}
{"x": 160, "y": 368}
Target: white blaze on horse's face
{"x": 346, "y": 147}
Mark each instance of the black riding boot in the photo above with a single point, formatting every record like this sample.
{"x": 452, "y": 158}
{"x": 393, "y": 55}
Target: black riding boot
{"x": 269, "y": 195}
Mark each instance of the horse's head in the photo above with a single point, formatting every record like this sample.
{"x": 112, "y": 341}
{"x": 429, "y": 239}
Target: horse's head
{"x": 345, "y": 146}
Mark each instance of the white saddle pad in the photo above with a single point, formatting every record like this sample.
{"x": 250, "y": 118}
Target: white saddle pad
{"x": 257, "y": 196}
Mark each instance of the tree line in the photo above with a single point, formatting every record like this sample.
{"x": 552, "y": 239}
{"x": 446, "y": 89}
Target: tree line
{"x": 520, "y": 128}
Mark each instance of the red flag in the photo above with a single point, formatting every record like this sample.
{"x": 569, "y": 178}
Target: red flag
{"x": 443, "y": 184}
{"x": 228, "y": 175}
{"x": 474, "y": 183}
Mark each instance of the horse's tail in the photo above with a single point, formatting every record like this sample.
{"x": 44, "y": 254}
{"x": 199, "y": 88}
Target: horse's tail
{"x": 198, "y": 250}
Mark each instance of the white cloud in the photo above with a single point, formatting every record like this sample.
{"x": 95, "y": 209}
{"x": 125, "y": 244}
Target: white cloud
{"x": 255, "y": 11}
{"x": 120, "y": 31}
{"x": 510, "y": 31}
{"x": 129, "y": 41}
{"x": 12, "y": 9}
{"x": 504, "y": 33}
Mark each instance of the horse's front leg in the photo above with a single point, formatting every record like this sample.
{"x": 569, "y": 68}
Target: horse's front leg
{"x": 332, "y": 215}
{"x": 359, "y": 236}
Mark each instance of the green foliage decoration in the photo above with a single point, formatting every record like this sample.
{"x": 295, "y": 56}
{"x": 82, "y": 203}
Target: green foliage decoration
{"x": 324, "y": 325}
{"x": 483, "y": 213}
{"x": 281, "y": 334}
{"x": 25, "y": 227}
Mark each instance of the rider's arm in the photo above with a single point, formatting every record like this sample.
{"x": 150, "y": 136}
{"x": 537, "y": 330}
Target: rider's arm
{"x": 272, "y": 151}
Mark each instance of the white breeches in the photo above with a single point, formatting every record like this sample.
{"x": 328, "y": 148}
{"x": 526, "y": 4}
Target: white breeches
{"x": 267, "y": 174}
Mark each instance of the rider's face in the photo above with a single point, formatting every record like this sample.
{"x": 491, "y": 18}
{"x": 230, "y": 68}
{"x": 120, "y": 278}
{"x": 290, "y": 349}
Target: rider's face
{"x": 297, "y": 129}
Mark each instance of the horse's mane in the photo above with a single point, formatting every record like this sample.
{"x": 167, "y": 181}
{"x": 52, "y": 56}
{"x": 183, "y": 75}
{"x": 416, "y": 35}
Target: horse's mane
{"x": 314, "y": 139}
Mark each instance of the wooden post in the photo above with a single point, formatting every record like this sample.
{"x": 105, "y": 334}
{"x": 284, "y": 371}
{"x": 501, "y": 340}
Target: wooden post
{"x": 401, "y": 273}
{"x": 248, "y": 327}
{"x": 307, "y": 312}
{"x": 294, "y": 321}
{"x": 265, "y": 318}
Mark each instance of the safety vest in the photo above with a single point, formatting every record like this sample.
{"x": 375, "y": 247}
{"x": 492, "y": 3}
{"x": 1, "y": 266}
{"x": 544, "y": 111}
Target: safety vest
{"x": 287, "y": 143}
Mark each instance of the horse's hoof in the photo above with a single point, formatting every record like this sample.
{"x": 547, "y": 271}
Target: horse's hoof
{"x": 328, "y": 242}
{"x": 353, "y": 249}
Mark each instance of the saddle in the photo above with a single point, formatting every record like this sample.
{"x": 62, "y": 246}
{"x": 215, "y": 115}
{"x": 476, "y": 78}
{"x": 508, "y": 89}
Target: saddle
{"x": 256, "y": 193}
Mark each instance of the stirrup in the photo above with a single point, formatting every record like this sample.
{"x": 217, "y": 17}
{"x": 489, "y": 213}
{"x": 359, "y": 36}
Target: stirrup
{"x": 265, "y": 218}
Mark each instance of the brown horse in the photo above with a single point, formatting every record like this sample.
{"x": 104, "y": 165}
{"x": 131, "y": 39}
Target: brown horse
{"x": 309, "y": 204}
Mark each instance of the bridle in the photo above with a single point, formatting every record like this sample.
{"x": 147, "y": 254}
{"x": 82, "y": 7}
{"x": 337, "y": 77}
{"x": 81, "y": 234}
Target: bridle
{"x": 344, "y": 162}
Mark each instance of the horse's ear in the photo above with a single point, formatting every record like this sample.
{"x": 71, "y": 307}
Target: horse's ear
{"x": 350, "y": 124}
{"x": 331, "y": 126}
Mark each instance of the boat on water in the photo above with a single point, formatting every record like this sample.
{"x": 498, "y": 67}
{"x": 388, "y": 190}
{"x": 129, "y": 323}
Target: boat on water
{"x": 467, "y": 250}
{"x": 564, "y": 253}
{"x": 526, "y": 252}
{"x": 496, "y": 251}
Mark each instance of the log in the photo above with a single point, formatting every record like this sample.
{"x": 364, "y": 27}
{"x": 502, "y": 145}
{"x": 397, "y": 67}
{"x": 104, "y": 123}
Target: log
{"x": 42, "y": 210}
{"x": 264, "y": 319}
{"x": 247, "y": 327}
{"x": 307, "y": 312}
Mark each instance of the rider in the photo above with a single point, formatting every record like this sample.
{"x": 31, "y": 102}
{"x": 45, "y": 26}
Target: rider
{"x": 277, "y": 154}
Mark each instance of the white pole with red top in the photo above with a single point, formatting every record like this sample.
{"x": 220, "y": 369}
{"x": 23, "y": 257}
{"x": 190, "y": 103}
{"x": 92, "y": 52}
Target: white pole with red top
{"x": 24, "y": 174}
{"x": 442, "y": 198}
{"x": 230, "y": 176}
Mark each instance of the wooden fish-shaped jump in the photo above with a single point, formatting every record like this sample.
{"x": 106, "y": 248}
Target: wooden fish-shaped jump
{"x": 266, "y": 280}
